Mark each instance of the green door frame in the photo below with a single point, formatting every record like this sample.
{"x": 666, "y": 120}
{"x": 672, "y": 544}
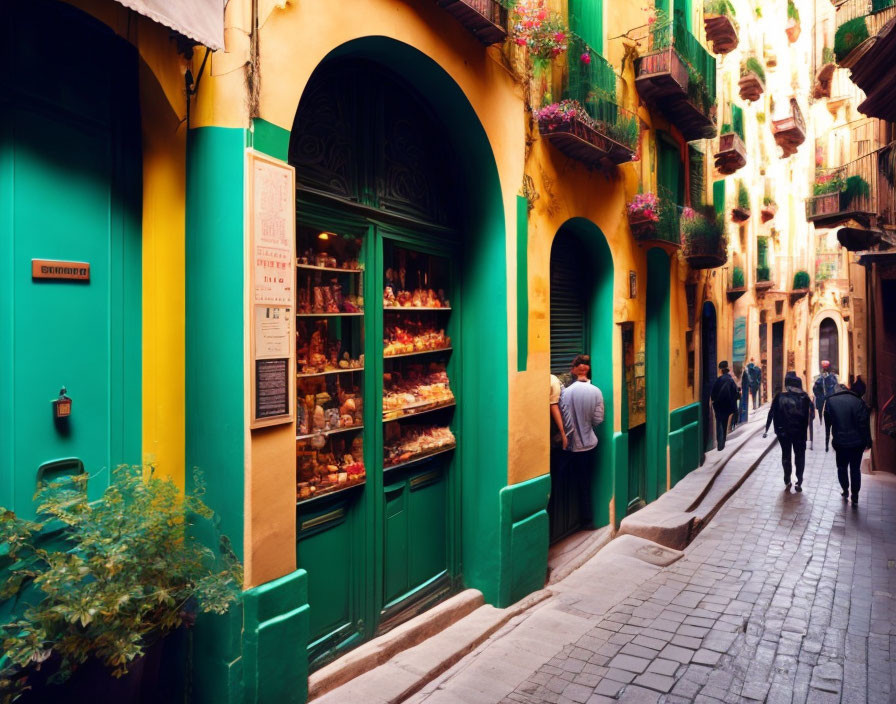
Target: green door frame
{"x": 657, "y": 370}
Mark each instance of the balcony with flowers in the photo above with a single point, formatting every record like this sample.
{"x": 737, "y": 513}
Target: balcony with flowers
{"x": 655, "y": 220}
{"x": 720, "y": 24}
{"x": 485, "y": 19}
{"x": 731, "y": 154}
{"x": 845, "y": 193}
{"x": 865, "y": 43}
{"x": 588, "y": 124}
{"x": 676, "y": 76}
{"x": 703, "y": 238}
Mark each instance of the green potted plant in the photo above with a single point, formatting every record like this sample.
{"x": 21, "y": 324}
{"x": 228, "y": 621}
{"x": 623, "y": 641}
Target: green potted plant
{"x": 793, "y": 22}
{"x": 752, "y": 79}
{"x": 849, "y": 35}
{"x": 95, "y": 587}
{"x": 705, "y": 245}
{"x": 769, "y": 208}
{"x": 741, "y": 211}
{"x": 801, "y": 280}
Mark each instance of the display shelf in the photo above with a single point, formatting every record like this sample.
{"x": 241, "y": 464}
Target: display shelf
{"x": 415, "y": 354}
{"x": 416, "y": 410}
{"x": 329, "y": 492}
{"x": 308, "y": 375}
{"x": 330, "y": 315}
{"x": 406, "y": 309}
{"x": 333, "y": 269}
{"x": 420, "y": 458}
{"x": 332, "y": 431}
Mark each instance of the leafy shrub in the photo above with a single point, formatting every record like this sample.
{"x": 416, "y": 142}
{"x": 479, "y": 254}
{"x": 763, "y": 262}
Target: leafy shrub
{"x": 801, "y": 280}
{"x": 737, "y": 278}
{"x": 792, "y": 12}
{"x": 849, "y": 35}
{"x": 704, "y": 231}
{"x": 855, "y": 187}
{"x": 753, "y": 65}
{"x": 743, "y": 196}
{"x": 719, "y": 7}
{"x": 763, "y": 273}
{"x": 124, "y": 571}
{"x": 768, "y": 201}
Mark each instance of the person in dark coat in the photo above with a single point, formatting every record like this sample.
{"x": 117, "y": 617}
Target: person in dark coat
{"x": 724, "y": 396}
{"x": 755, "y": 381}
{"x": 858, "y": 386}
{"x": 848, "y": 428}
{"x": 825, "y": 385}
{"x": 791, "y": 412}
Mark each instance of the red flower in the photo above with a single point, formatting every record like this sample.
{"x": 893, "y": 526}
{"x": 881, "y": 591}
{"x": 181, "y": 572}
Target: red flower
{"x": 586, "y": 58}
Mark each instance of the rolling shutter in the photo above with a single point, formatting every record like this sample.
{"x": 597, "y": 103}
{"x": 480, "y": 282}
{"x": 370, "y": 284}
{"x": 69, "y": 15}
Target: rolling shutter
{"x": 568, "y": 304}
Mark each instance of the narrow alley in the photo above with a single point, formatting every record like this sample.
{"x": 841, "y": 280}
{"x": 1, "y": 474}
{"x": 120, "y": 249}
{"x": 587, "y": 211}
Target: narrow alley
{"x": 784, "y": 597}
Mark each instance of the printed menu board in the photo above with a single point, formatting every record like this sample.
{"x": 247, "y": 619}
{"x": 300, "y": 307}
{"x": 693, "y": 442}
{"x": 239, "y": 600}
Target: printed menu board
{"x": 271, "y": 250}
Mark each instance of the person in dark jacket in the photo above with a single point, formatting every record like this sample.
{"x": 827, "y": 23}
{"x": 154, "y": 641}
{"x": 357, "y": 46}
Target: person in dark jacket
{"x": 724, "y": 396}
{"x": 858, "y": 386}
{"x": 824, "y": 386}
{"x": 791, "y": 412}
{"x": 848, "y": 428}
{"x": 755, "y": 381}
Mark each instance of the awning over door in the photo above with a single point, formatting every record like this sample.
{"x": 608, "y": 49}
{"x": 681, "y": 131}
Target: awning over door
{"x": 202, "y": 20}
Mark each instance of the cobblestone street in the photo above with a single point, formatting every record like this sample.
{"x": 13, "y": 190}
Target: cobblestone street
{"x": 785, "y": 597}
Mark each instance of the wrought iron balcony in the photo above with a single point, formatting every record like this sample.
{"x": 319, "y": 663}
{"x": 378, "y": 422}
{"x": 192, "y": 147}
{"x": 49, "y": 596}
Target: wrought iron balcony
{"x": 486, "y": 19}
{"x": 846, "y": 193}
{"x": 865, "y": 43}
{"x": 677, "y": 77}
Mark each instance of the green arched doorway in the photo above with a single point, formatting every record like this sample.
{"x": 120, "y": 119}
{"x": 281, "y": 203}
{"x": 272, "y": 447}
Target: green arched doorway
{"x": 382, "y": 138}
{"x": 657, "y": 371}
{"x": 582, "y": 322}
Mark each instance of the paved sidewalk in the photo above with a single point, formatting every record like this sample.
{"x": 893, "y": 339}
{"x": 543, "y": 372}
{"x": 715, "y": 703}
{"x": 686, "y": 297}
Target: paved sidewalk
{"x": 783, "y": 598}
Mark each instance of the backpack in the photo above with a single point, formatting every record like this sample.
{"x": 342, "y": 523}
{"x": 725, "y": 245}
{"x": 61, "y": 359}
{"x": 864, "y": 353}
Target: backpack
{"x": 830, "y": 385}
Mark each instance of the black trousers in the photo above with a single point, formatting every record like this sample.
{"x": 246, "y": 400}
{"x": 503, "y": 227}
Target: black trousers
{"x": 721, "y": 429}
{"x": 849, "y": 468}
{"x": 582, "y": 467}
{"x": 799, "y": 454}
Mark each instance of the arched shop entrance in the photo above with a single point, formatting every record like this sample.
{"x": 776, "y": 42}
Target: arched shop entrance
{"x": 708, "y": 370}
{"x": 401, "y": 329}
{"x": 582, "y": 322}
{"x": 829, "y": 343}
{"x": 70, "y": 191}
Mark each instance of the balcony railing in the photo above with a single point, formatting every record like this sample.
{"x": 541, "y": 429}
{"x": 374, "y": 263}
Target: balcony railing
{"x": 677, "y": 77}
{"x": 588, "y": 125}
{"x": 848, "y": 192}
{"x": 865, "y": 43}
{"x": 486, "y": 19}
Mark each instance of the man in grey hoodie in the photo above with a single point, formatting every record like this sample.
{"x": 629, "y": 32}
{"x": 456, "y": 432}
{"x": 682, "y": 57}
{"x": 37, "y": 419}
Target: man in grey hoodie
{"x": 582, "y": 406}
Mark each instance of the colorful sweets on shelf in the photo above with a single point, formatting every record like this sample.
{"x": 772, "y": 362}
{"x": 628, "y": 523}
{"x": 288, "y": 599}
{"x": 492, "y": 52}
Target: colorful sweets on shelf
{"x": 321, "y": 471}
{"x": 409, "y": 442}
{"x": 406, "y": 336}
{"x": 416, "y": 388}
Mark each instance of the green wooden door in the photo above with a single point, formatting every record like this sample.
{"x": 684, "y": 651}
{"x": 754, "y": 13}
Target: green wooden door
{"x": 69, "y": 190}
{"x": 657, "y": 371}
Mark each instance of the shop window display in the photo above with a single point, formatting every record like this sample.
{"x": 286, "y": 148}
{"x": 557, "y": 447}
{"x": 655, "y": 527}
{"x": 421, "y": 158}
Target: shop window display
{"x": 330, "y": 363}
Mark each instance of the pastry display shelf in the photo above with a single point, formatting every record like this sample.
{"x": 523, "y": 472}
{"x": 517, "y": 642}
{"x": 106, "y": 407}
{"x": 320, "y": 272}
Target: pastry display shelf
{"x": 308, "y": 375}
{"x": 330, "y": 315}
{"x": 333, "y": 269}
{"x": 415, "y": 410}
{"x": 405, "y": 309}
{"x": 332, "y": 431}
{"x": 414, "y": 354}
{"x": 329, "y": 492}
{"x": 421, "y": 457}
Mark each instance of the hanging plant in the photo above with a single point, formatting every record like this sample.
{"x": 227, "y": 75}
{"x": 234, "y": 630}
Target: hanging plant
{"x": 849, "y": 35}
{"x": 800, "y": 280}
{"x": 543, "y": 32}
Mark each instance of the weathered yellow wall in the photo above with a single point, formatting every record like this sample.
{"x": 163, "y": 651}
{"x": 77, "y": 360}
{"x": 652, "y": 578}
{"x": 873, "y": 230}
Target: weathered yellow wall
{"x": 163, "y": 111}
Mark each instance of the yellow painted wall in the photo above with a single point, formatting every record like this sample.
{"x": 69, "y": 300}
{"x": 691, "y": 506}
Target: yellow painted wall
{"x": 163, "y": 113}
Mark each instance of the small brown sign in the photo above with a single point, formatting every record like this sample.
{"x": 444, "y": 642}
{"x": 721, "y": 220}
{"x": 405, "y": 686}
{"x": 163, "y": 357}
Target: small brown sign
{"x": 53, "y": 269}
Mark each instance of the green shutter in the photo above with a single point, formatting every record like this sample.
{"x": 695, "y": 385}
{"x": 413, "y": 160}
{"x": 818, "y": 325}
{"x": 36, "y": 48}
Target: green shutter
{"x": 718, "y": 196}
{"x": 696, "y": 174}
{"x": 586, "y": 19}
{"x": 568, "y": 302}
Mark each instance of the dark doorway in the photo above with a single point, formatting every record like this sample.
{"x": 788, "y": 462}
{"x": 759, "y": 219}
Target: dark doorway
{"x": 569, "y": 337}
{"x": 777, "y": 357}
{"x": 708, "y": 366}
{"x": 763, "y": 357}
{"x": 829, "y": 343}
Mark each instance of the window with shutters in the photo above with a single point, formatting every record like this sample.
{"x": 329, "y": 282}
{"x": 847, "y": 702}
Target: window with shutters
{"x": 568, "y": 303}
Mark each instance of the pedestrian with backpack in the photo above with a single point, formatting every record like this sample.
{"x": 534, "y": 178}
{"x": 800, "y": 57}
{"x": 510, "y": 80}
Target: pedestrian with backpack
{"x": 848, "y": 428}
{"x": 825, "y": 385}
{"x": 791, "y": 412}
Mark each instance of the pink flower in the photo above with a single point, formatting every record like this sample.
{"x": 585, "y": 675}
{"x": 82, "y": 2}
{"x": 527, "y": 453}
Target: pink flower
{"x": 559, "y": 37}
{"x": 651, "y": 19}
{"x": 520, "y": 41}
{"x": 586, "y": 58}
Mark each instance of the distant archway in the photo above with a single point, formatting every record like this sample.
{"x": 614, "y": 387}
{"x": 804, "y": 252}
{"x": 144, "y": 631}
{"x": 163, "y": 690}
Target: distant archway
{"x": 829, "y": 343}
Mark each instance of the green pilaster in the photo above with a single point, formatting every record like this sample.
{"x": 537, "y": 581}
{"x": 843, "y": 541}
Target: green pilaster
{"x": 524, "y": 538}
{"x": 522, "y": 283}
{"x": 214, "y": 375}
{"x": 657, "y": 370}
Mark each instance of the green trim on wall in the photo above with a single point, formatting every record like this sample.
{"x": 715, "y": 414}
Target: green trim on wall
{"x": 586, "y": 18}
{"x": 269, "y": 138}
{"x": 522, "y": 283}
{"x": 215, "y": 421}
{"x": 684, "y": 441}
{"x": 621, "y": 473}
{"x": 276, "y": 633}
{"x": 657, "y": 370}
{"x": 524, "y": 538}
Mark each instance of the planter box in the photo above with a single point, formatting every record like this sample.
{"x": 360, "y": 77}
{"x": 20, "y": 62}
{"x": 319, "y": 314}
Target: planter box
{"x": 751, "y": 87}
{"x": 797, "y": 293}
{"x": 721, "y": 32}
{"x": 790, "y": 131}
{"x": 705, "y": 255}
{"x": 792, "y": 30}
{"x": 583, "y": 142}
{"x": 735, "y": 293}
{"x": 768, "y": 212}
{"x": 740, "y": 214}
{"x": 732, "y": 153}
{"x": 486, "y": 19}
{"x": 645, "y": 230}
{"x": 824, "y": 206}
{"x": 763, "y": 286}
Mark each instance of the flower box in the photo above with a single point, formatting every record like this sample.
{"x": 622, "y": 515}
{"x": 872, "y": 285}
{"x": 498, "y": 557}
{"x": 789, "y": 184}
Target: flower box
{"x": 721, "y": 32}
{"x": 705, "y": 254}
{"x": 581, "y": 138}
{"x": 768, "y": 212}
{"x": 740, "y": 214}
{"x": 732, "y": 153}
{"x": 792, "y": 30}
{"x": 751, "y": 86}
